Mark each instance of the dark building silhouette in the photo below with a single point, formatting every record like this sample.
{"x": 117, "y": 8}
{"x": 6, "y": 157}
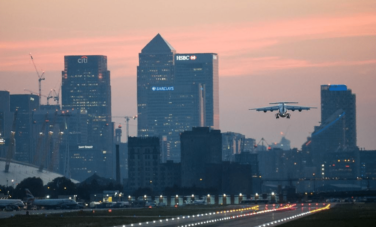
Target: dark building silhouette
{"x": 145, "y": 167}
{"x": 333, "y": 98}
{"x": 367, "y": 168}
{"x": 6, "y": 121}
{"x": 58, "y": 134}
{"x": 335, "y": 138}
{"x": 175, "y": 92}
{"x": 25, "y": 105}
{"x": 236, "y": 178}
{"x": 86, "y": 87}
{"x": 200, "y": 148}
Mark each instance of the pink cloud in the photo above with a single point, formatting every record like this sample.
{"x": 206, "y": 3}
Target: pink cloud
{"x": 233, "y": 42}
{"x": 265, "y": 64}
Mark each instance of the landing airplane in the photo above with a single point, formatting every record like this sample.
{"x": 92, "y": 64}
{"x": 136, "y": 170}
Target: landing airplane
{"x": 51, "y": 203}
{"x": 282, "y": 108}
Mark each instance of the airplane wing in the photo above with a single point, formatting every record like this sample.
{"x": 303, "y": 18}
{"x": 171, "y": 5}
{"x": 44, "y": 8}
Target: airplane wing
{"x": 269, "y": 108}
{"x": 300, "y": 108}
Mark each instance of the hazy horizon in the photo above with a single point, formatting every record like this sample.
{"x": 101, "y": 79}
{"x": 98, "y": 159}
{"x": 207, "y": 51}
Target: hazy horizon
{"x": 268, "y": 52}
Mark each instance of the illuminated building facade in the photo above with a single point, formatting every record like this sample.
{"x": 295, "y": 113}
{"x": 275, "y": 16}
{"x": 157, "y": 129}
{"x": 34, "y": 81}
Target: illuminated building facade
{"x": 26, "y": 105}
{"x": 333, "y": 98}
{"x": 175, "y": 92}
{"x": 86, "y": 87}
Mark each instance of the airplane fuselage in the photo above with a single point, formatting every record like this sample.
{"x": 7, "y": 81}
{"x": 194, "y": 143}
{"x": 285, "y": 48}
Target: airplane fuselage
{"x": 6, "y": 202}
{"x": 282, "y": 111}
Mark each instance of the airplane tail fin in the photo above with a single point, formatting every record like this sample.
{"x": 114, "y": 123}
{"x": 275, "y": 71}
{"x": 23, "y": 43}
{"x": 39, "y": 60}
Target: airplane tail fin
{"x": 29, "y": 196}
{"x": 284, "y": 102}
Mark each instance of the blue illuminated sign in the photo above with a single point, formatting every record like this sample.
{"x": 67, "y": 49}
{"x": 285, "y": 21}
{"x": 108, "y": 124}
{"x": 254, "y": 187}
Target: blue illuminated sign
{"x": 162, "y": 88}
{"x": 338, "y": 87}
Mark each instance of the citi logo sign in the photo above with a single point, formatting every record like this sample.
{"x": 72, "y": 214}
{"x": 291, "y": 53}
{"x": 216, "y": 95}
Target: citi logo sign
{"x": 83, "y": 59}
{"x": 185, "y": 57}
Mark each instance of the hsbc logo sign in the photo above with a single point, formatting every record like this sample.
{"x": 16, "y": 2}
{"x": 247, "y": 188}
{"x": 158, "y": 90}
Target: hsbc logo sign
{"x": 185, "y": 57}
{"x": 83, "y": 59}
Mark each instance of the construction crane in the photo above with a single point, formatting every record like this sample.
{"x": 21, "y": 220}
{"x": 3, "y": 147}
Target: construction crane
{"x": 57, "y": 96}
{"x": 40, "y": 78}
{"x": 53, "y": 94}
{"x": 11, "y": 143}
{"x": 262, "y": 142}
{"x": 127, "y": 118}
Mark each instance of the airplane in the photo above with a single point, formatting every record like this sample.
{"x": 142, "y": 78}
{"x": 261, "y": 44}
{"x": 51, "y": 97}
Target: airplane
{"x": 189, "y": 200}
{"x": 199, "y": 202}
{"x": 50, "y": 203}
{"x": 11, "y": 203}
{"x": 282, "y": 108}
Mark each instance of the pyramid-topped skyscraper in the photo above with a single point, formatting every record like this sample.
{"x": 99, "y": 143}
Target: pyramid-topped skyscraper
{"x": 158, "y": 45}
{"x": 155, "y": 72}
{"x": 175, "y": 92}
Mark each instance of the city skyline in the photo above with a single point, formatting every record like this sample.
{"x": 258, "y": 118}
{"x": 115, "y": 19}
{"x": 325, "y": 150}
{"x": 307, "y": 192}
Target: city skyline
{"x": 263, "y": 47}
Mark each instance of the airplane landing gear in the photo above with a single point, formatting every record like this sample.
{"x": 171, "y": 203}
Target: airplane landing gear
{"x": 288, "y": 116}
{"x": 276, "y": 115}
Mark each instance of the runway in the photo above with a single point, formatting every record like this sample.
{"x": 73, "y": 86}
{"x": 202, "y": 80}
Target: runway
{"x": 267, "y": 215}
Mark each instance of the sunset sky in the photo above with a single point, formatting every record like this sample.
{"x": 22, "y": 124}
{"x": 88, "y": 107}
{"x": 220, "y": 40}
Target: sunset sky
{"x": 268, "y": 51}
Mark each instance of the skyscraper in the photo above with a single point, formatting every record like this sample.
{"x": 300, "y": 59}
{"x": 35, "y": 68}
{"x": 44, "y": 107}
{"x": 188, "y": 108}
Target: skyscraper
{"x": 196, "y": 75}
{"x": 25, "y": 105}
{"x": 86, "y": 87}
{"x": 175, "y": 92}
{"x": 155, "y": 88}
{"x": 335, "y": 97}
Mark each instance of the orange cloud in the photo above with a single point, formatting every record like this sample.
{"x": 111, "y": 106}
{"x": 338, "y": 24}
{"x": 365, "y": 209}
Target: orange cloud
{"x": 235, "y": 43}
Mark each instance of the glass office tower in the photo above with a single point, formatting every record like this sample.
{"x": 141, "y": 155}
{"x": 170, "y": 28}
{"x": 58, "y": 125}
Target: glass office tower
{"x": 86, "y": 87}
{"x": 175, "y": 92}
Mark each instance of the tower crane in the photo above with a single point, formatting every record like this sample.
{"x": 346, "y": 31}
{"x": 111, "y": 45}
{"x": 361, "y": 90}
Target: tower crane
{"x": 40, "y": 78}
{"x": 11, "y": 143}
{"x": 53, "y": 94}
{"x": 262, "y": 142}
{"x": 127, "y": 118}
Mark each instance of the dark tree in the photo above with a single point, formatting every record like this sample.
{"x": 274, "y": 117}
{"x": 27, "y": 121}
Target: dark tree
{"x": 34, "y": 184}
{"x": 61, "y": 186}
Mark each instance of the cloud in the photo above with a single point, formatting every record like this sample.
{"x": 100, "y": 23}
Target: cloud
{"x": 235, "y": 44}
